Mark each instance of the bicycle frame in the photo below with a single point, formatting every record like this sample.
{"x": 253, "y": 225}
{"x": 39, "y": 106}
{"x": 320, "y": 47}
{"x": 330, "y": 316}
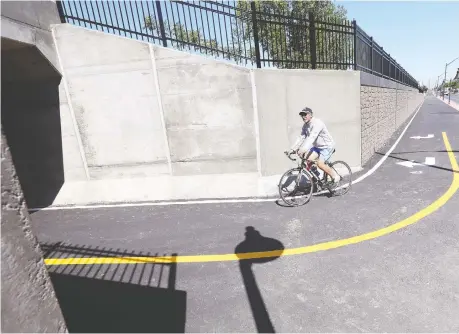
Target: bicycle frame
{"x": 305, "y": 167}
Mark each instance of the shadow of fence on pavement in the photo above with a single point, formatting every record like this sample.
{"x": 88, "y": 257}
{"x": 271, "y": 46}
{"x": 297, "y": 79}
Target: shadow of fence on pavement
{"x": 116, "y": 297}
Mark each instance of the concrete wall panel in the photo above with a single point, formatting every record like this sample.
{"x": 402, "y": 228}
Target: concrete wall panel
{"x": 74, "y": 169}
{"x": 115, "y": 103}
{"x": 281, "y": 94}
{"x": 208, "y": 113}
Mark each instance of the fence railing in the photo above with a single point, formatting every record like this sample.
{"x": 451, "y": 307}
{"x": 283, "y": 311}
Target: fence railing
{"x": 243, "y": 32}
{"x": 370, "y": 57}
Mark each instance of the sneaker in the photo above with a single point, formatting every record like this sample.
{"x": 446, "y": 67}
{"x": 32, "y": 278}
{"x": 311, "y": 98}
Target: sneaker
{"x": 333, "y": 182}
{"x": 337, "y": 179}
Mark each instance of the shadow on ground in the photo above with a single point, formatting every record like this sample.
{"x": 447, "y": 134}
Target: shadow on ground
{"x": 254, "y": 243}
{"x": 419, "y": 162}
{"x": 121, "y": 298}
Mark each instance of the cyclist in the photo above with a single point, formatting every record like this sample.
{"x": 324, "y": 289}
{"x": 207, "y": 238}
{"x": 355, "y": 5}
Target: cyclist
{"x": 315, "y": 143}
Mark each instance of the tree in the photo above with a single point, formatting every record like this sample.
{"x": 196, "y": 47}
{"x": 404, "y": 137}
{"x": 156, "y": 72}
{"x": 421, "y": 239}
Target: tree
{"x": 283, "y": 30}
{"x": 423, "y": 89}
{"x": 182, "y": 37}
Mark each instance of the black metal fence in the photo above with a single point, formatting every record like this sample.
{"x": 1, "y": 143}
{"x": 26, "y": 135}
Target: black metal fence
{"x": 370, "y": 57}
{"x": 243, "y": 32}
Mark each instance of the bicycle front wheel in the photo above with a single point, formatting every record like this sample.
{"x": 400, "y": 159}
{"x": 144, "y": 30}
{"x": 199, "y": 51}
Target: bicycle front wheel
{"x": 345, "y": 172}
{"x": 295, "y": 187}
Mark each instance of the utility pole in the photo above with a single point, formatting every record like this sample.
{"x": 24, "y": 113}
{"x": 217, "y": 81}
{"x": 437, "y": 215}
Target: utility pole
{"x": 446, "y": 66}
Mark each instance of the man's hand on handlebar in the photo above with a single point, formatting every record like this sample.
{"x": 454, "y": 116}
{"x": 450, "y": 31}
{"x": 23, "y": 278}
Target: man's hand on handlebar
{"x": 289, "y": 154}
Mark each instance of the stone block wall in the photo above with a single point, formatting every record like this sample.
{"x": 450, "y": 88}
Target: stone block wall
{"x": 383, "y": 111}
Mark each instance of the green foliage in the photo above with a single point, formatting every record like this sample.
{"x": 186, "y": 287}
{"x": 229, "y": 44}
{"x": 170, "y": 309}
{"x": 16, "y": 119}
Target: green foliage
{"x": 423, "y": 89}
{"x": 181, "y": 37}
{"x": 285, "y": 36}
{"x": 452, "y": 84}
{"x": 284, "y": 32}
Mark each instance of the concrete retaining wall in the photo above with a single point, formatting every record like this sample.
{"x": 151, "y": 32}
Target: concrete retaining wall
{"x": 28, "y": 22}
{"x": 29, "y": 303}
{"x": 149, "y": 110}
{"x": 385, "y": 106}
{"x": 112, "y": 109}
{"x": 208, "y": 114}
{"x": 143, "y": 110}
{"x": 31, "y": 157}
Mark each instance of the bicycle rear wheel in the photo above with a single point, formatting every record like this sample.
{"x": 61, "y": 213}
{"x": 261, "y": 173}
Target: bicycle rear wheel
{"x": 345, "y": 172}
{"x": 295, "y": 187}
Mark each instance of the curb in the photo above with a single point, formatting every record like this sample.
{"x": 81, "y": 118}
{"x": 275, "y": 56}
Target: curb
{"x": 452, "y": 104}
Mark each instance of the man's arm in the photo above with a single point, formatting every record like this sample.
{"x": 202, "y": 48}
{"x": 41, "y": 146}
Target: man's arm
{"x": 298, "y": 142}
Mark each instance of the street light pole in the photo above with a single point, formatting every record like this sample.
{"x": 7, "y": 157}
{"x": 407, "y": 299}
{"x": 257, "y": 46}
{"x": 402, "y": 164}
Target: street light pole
{"x": 446, "y": 66}
{"x": 445, "y": 82}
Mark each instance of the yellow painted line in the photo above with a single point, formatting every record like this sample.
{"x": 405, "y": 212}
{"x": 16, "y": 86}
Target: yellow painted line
{"x": 291, "y": 251}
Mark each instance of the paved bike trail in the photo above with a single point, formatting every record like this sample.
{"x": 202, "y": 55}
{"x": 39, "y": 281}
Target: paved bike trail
{"x": 402, "y": 281}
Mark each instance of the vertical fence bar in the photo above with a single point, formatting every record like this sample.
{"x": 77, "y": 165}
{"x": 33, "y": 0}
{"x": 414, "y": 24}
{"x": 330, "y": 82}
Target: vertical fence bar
{"x": 312, "y": 40}
{"x": 60, "y": 10}
{"x": 354, "y": 25}
{"x": 161, "y": 23}
{"x": 371, "y": 55}
{"x": 255, "y": 34}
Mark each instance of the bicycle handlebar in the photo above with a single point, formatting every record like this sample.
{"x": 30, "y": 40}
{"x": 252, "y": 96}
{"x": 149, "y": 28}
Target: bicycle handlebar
{"x": 290, "y": 155}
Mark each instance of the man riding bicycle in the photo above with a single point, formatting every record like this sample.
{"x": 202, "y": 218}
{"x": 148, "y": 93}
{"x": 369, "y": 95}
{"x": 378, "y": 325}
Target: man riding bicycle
{"x": 315, "y": 143}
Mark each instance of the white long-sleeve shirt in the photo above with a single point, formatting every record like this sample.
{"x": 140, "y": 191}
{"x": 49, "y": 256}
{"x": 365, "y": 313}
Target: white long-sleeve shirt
{"x": 314, "y": 133}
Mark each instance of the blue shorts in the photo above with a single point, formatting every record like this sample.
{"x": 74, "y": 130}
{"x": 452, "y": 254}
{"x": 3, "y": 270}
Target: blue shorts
{"x": 323, "y": 154}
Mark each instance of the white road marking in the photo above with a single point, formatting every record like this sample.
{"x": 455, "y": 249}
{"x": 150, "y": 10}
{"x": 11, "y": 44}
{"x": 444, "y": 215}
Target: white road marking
{"x": 222, "y": 201}
{"x": 429, "y": 161}
{"x": 409, "y": 164}
{"x": 420, "y": 137}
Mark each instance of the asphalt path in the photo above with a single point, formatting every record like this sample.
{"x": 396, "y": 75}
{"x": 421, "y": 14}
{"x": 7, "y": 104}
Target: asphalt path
{"x": 402, "y": 281}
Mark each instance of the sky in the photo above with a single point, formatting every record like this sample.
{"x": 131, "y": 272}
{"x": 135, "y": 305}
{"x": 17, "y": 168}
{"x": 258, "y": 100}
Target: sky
{"x": 422, "y": 36}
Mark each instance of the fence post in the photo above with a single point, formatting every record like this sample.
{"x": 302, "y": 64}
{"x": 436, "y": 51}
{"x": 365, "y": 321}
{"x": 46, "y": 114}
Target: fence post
{"x": 371, "y": 54}
{"x": 391, "y": 75}
{"x": 161, "y": 23}
{"x": 255, "y": 34}
{"x": 60, "y": 10}
{"x": 312, "y": 40}
{"x": 354, "y": 24}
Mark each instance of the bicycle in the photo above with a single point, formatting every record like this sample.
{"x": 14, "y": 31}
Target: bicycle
{"x": 309, "y": 176}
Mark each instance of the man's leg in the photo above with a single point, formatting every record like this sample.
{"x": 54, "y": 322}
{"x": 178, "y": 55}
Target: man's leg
{"x": 326, "y": 169}
{"x": 324, "y": 156}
